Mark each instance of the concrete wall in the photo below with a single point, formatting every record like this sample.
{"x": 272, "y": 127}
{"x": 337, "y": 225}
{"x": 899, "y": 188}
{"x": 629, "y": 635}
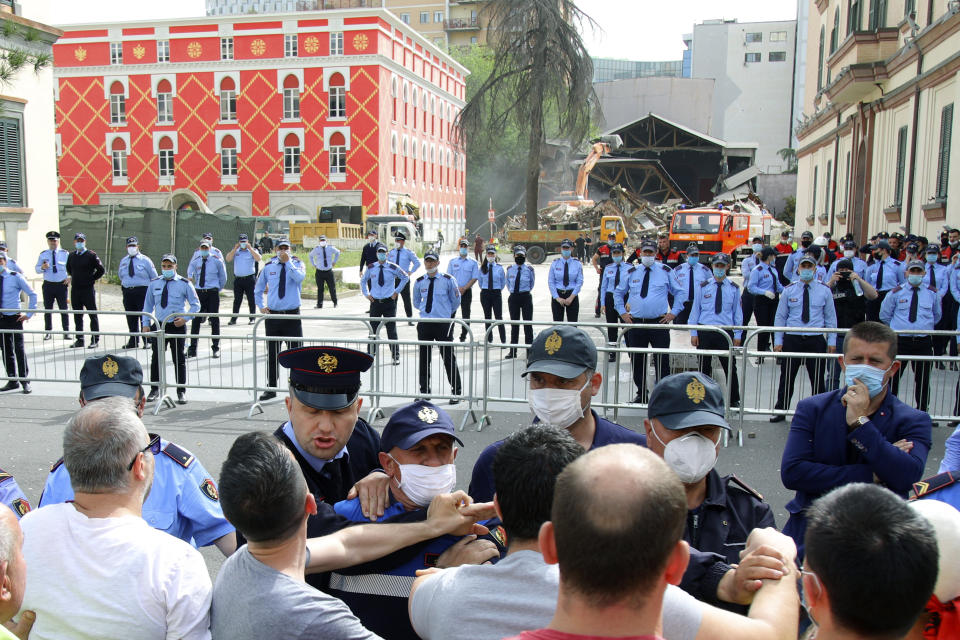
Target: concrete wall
{"x": 773, "y": 189}
{"x": 685, "y": 101}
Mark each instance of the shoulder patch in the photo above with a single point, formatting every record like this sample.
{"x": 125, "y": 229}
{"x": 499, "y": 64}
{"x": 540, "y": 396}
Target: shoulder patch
{"x": 631, "y": 269}
{"x": 4, "y": 476}
{"x": 421, "y": 278}
{"x": 932, "y": 288}
{"x": 500, "y": 535}
{"x": 733, "y": 284}
{"x": 743, "y": 485}
{"x": 56, "y": 465}
{"x": 447, "y": 276}
{"x": 179, "y": 455}
{"x": 21, "y": 507}
{"x": 209, "y": 489}
{"x": 704, "y": 283}
{"x": 930, "y": 485}
{"x": 896, "y": 289}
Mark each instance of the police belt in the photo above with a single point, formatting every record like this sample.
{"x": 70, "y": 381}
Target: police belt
{"x": 648, "y": 320}
{"x": 564, "y": 293}
{"x": 209, "y": 289}
{"x": 139, "y": 286}
{"x": 373, "y": 583}
{"x": 236, "y": 277}
{"x": 289, "y": 312}
{"x": 390, "y": 299}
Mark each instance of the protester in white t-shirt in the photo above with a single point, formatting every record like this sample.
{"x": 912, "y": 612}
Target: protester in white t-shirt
{"x": 13, "y": 578}
{"x": 95, "y": 568}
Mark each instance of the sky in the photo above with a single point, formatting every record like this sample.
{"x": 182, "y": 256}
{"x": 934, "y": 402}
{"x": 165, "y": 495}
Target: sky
{"x": 628, "y": 29}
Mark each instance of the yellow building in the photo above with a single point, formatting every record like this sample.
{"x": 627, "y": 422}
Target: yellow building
{"x": 444, "y": 22}
{"x": 878, "y": 114}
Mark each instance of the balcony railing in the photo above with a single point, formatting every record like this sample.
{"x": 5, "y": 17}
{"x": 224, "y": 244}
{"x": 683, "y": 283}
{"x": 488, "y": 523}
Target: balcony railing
{"x": 321, "y": 5}
{"x": 461, "y": 24}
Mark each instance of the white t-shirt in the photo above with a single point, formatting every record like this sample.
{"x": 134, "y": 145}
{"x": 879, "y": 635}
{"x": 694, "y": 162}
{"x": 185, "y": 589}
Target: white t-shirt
{"x": 111, "y": 578}
{"x": 519, "y": 593}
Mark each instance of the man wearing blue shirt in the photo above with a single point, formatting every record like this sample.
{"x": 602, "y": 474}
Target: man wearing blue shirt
{"x": 717, "y": 303}
{"x": 910, "y": 309}
{"x": 884, "y": 274}
{"x": 12, "y": 496}
{"x": 245, "y": 259}
{"x": 166, "y": 296}
{"x": 381, "y": 285}
{"x": 687, "y": 277}
{"x": 52, "y": 263}
{"x": 12, "y": 284}
{"x": 282, "y": 277}
{"x": 208, "y": 275}
{"x": 790, "y": 268}
{"x": 805, "y": 303}
{"x": 409, "y": 263}
{"x": 765, "y": 286}
{"x": 492, "y": 280}
{"x": 747, "y": 265}
{"x": 613, "y": 274}
{"x": 136, "y": 271}
{"x": 850, "y": 253}
{"x": 324, "y": 258}
{"x": 11, "y": 263}
{"x": 565, "y": 281}
{"x": 465, "y": 272}
{"x": 520, "y": 280}
{"x": 208, "y": 238}
{"x": 437, "y": 295}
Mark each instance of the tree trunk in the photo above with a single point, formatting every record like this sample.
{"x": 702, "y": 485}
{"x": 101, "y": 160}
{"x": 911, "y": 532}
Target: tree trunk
{"x": 533, "y": 166}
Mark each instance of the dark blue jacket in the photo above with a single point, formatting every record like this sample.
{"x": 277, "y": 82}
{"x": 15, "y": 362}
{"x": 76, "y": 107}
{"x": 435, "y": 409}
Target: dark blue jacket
{"x": 822, "y": 453}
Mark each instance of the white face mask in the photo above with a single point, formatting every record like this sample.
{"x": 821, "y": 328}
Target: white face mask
{"x": 848, "y": 253}
{"x": 647, "y": 261}
{"x": 132, "y": 251}
{"x": 431, "y": 270}
{"x": 691, "y": 456}
{"x": 323, "y": 243}
{"x": 422, "y": 484}
{"x": 491, "y": 259}
{"x": 558, "y": 408}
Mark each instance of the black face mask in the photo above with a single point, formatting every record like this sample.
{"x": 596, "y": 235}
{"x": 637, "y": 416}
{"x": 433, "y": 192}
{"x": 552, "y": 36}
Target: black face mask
{"x": 520, "y": 259}
{"x": 878, "y": 256}
{"x": 844, "y": 275}
{"x": 806, "y": 243}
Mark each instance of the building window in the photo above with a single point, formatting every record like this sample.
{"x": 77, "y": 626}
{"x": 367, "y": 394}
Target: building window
{"x": 405, "y": 17}
{"x": 118, "y": 153}
{"x": 816, "y": 180}
{"x": 820, "y": 63}
{"x": 116, "y": 53}
{"x": 290, "y": 45}
{"x": 854, "y": 15}
{"x": 754, "y": 37}
{"x": 163, "y": 51}
{"x": 846, "y": 182}
{"x": 226, "y": 48}
{"x": 909, "y": 7}
{"x": 291, "y": 155}
{"x": 826, "y": 187}
{"x": 901, "y": 166}
{"x": 228, "y": 100}
{"x": 778, "y": 36}
{"x": 164, "y": 103}
{"x": 393, "y": 152}
{"x": 424, "y": 17}
{"x": 291, "y": 98}
{"x": 165, "y": 156}
{"x": 338, "y": 154}
{"x": 118, "y": 105}
{"x": 228, "y": 156}
{"x": 777, "y": 56}
{"x": 943, "y": 161}
{"x": 752, "y": 57}
{"x": 406, "y": 100}
{"x": 336, "y": 43}
{"x": 11, "y": 163}
{"x": 473, "y": 40}
{"x": 835, "y": 32}
{"x": 438, "y": 16}
{"x": 878, "y": 14}
{"x": 338, "y": 97}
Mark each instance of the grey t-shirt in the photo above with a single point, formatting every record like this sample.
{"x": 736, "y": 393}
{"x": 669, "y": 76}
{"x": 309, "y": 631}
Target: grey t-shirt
{"x": 252, "y": 600}
{"x": 519, "y": 593}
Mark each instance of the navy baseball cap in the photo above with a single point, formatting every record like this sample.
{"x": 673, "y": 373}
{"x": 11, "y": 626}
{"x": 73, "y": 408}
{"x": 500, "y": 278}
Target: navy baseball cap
{"x": 464, "y": 242}
{"x": 282, "y": 242}
{"x": 414, "y": 422}
{"x": 169, "y": 256}
{"x": 205, "y": 243}
{"x": 520, "y": 250}
{"x": 616, "y": 247}
{"x": 720, "y": 258}
{"x": 807, "y": 234}
{"x": 326, "y": 378}
{"x": 321, "y": 237}
{"x": 53, "y": 235}
{"x": 916, "y": 264}
{"x": 685, "y": 400}
{"x": 807, "y": 257}
{"x": 110, "y": 375}
{"x": 562, "y": 351}
{"x": 242, "y": 237}
{"x": 933, "y": 248}
{"x": 431, "y": 255}
{"x": 845, "y": 263}
{"x": 883, "y": 244}
{"x": 566, "y": 243}
{"x": 648, "y": 243}
{"x": 381, "y": 247}
{"x": 132, "y": 240}
{"x": 849, "y": 244}
{"x": 208, "y": 236}
{"x": 79, "y": 236}
{"x": 372, "y": 233}
{"x": 693, "y": 248}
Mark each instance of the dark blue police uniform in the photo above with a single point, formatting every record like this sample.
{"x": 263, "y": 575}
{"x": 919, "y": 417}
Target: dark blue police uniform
{"x": 943, "y": 487}
{"x": 12, "y": 496}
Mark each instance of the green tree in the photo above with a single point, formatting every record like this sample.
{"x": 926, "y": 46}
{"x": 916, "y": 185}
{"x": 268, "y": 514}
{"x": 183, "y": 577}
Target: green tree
{"x": 789, "y": 156}
{"x": 541, "y": 73}
{"x": 13, "y": 60}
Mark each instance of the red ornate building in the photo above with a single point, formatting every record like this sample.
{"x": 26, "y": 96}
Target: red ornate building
{"x": 289, "y": 115}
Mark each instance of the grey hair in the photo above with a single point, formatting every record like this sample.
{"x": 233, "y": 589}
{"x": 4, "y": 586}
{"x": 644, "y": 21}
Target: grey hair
{"x": 98, "y": 444}
{"x": 8, "y": 537}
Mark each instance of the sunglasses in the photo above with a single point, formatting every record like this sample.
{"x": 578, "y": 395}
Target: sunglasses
{"x": 153, "y": 447}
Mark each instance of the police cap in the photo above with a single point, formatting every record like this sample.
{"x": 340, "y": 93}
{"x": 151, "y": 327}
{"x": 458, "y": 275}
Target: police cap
{"x": 562, "y": 351}
{"x": 806, "y": 234}
{"x": 519, "y": 250}
{"x": 207, "y": 236}
{"x": 325, "y": 377}
{"x": 400, "y": 236}
{"x": 933, "y": 248}
{"x": 566, "y": 243}
{"x": 205, "y": 243}
{"x": 282, "y": 242}
{"x": 414, "y": 422}
{"x": 849, "y": 244}
{"x": 883, "y": 244}
{"x": 242, "y": 237}
{"x": 169, "y": 257}
{"x": 913, "y": 247}
{"x": 110, "y": 375}
{"x": 431, "y": 254}
{"x": 845, "y": 263}
{"x": 464, "y": 242}
{"x": 381, "y": 247}
{"x": 693, "y": 248}
{"x": 321, "y": 237}
{"x": 685, "y": 400}
{"x": 616, "y": 247}
{"x": 79, "y": 236}
{"x": 720, "y": 258}
{"x": 53, "y": 235}
{"x": 648, "y": 244}
{"x": 916, "y": 264}
{"x": 808, "y": 258}
{"x": 491, "y": 248}
{"x": 132, "y": 241}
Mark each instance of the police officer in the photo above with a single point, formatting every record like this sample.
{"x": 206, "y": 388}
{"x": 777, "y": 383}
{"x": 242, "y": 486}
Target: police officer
{"x": 790, "y": 268}
{"x": 183, "y": 499}
{"x": 437, "y": 295}
{"x": 850, "y": 295}
{"x": 850, "y": 253}
{"x": 939, "y": 277}
{"x": 820, "y": 272}
{"x": 805, "y": 303}
{"x": 52, "y": 263}
{"x": 492, "y": 280}
{"x": 717, "y": 303}
{"x": 136, "y": 271}
{"x": 381, "y": 285}
{"x": 747, "y": 265}
{"x": 11, "y": 263}
{"x": 565, "y": 281}
{"x": 465, "y": 272}
{"x": 641, "y": 298}
{"x": 368, "y": 255}
{"x": 324, "y": 258}
{"x": 12, "y": 496}
{"x": 215, "y": 252}
{"x": 601, "y": 258}
{"x": 208, "y": 275}
{"x": 84, "y": 268}
{"x": 884, "y": 274}
{"x": 12, "y": 284}
{"x": 684, "y": 425}
{"x": 520, "y": 280}
{"x": 612, "y": 276}
{"x": 283, "y": 275}
{"x": 687, "y": 277}
{"x": 408, "y": 262}
{"x": 765, "y": 286}
{"x": 906, "y": 309}
{"x": 165, "y": 297}
{"x": 245, "y": 259}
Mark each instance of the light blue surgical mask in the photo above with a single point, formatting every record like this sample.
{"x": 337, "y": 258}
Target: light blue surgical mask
{"x": 618, "y": 259}
{"x": 932, "y": 258}
{"x": 169, "y": 273}
{"x": 382, "y": 256}
{"x": 720, "y": 273}
{"x": 80, "y": 245}
{"x": 693, "y": 260}
{"x": 565, "y": 253}
{"x": 915, "y": 279}
{"x": 463, "y": 251}
{"x": 807, "y": 274}
{"x": 868, "y": 375}
{"x": 204, "y": 253}
{"x": 757, "y": 248}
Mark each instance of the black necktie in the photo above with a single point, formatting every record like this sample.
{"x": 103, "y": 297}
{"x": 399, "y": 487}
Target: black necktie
{"x": 690, "y": 288}
{"x": 429, "y": 307}
{"x": 914, "y": 303}
{"x": 129, "y": 270}
{"x": 53, "y": 254}
{"x": 490, "y": 277}
{"x": 164, "y": 297}
{"x": 203, "y": 272}
{"x": 805, "y": 313}
{"x": 933, "y": 277}
{"x": 880, "y": 276}
{"x": 773, "y": 279}
{"x": 282, "y": 287}
{"x": 323, "y": 252}
{"x": 616, "y": 279}
{"x": 718, "y": 304}
{"x": 516, "y": 284}
{"x": 646, "y": 284}
{"x": 380, "y": 276}
{"x": 1, "y": 292}
{"x": 566, "y": 274}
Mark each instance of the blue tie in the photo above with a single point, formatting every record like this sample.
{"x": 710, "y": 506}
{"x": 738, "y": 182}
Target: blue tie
{"x": 164, "y": 297}
{"x": 53, "y": 255}
{"x": 282, "y": 287}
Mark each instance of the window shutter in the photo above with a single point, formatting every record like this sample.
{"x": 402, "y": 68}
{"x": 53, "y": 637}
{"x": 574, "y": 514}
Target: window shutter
{"x": 943, "y": 166}
{"x": 11, "y": 164}
{"x": 901, "y": 164}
